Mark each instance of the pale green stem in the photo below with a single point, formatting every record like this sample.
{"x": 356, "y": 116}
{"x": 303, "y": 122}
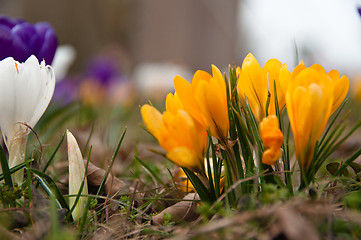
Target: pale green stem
{"x": 234, "y": 170}
{"x": 16, "y": 148}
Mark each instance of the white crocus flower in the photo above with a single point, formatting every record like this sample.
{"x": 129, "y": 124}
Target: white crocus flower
{"x": 76, "y": 177}
{"x": 25, "y": 92}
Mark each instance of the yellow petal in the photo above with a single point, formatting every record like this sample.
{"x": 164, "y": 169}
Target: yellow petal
{"x": 173, "y": 103}
{"x": 185, "y": 93}
{"x": 152, "y": 119}
{"x": 214, "y": 109}
{"x": 272, "y": 71}
{"x": 198, "y": 76}
{"x": 341, "y": 87}
{"x": 184, "y": 157}
{"x": 254, "y": 85}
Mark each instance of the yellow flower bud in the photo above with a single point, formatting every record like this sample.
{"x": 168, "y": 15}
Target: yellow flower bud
{"x": 272, "y": 138}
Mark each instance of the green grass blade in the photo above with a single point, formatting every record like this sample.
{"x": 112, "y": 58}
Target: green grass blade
{"x": 53, "y": 154}
{"x": 111, "y": 163}
{"x": 50, "y": 187}
{"x": 5, "y": 168}
{"x": 16, "y": 168}
{"x": 333, "y": 121}
{"x": 150, "y": 171}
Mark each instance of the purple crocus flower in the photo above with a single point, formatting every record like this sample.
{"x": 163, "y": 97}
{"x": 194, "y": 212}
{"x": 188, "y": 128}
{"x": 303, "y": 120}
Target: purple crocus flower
{"x": 359, "y": 10}
{"x": 20, "y": 39}
{"x": 103, "y": 70}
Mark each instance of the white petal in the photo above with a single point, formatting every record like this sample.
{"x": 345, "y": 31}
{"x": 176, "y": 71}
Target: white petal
{"x": 25, "y": 92}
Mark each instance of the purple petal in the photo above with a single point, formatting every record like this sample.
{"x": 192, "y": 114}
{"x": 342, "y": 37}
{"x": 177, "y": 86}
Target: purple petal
{"x": 6, "y": 42}
{"x": 102, "y": 69}
{"x": 48, "y": 40}
{"x": 26, "y": 40}
{"x": 9, "y": 22}
{"x": 359, "y": 10}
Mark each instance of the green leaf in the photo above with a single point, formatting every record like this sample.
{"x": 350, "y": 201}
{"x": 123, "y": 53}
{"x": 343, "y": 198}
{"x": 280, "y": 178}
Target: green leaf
{"x": 16, "y": 168}
{"x": 198, "y": 185}
{"x": 50, "y": 187}
{"x": 5, "y": 168}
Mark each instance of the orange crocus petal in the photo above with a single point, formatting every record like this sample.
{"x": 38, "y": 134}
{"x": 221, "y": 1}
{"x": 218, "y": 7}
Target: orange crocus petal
{"x": 185, "y": 157}
{"x": 253, "y": 85}
{"x": 152, "y": 119}
{"x": 209, "y": 100}
{"x": 185, "y": 93}
{"x": 219, "y": 81}
{"x": 205, "y": 99}
{"x": 319, "y": 68}
{"x": 341, "y": 87}
{"x": 256, "y": 83}
{"x": 173, "y": 103}
{"x": 183, "y": 138}
{"x": 272, "y": 71}
{"x": 198, "y": 76}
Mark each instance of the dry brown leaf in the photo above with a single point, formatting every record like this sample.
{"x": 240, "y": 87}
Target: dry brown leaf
{"x": 184, "y": 210}
{"x": 112, "y": 185}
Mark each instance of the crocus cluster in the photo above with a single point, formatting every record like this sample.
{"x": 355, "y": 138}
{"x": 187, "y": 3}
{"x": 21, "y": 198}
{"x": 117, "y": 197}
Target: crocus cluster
{"x": 194, "y": 108}
{"x": 20, "y": 39}
{"x": 310, "y": 95}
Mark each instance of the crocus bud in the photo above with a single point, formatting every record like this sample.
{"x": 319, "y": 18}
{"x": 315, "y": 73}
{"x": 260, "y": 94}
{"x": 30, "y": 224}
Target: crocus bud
{"x": 76, "y": 177}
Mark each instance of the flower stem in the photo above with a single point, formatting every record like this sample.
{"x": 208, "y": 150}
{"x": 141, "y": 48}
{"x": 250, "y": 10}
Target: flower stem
{"x": 16, "y": 148}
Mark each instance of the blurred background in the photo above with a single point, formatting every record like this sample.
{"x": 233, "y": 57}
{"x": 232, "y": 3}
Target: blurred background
{"x": 149, "y": 37}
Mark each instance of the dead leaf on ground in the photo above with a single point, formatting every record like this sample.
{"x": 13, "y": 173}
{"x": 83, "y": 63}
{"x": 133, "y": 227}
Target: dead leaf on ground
{"x": 184, "y": 210}
{"x": 113, "y": 185}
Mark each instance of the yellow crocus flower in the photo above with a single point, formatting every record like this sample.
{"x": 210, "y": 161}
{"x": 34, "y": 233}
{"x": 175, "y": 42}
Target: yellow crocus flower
{"x": 341, "y": 84}
{"x": 205, "y": 99}
{"x": 309, "y": 99}
{"x": 272, "y": 138}
{"x": 183, "y": 138}
{"x": 256, "y": 83}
